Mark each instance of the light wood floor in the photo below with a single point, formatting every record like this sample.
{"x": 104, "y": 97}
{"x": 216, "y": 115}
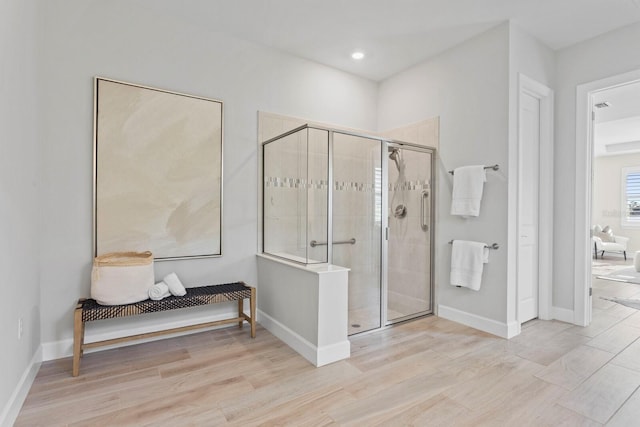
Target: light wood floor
{"x": 429, "y": 372}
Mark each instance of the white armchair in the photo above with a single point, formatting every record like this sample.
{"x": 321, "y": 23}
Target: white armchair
{"x": 619, "y": 244}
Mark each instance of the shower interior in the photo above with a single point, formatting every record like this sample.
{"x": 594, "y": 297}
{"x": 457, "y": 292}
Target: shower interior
{"x": 383, "y": 237}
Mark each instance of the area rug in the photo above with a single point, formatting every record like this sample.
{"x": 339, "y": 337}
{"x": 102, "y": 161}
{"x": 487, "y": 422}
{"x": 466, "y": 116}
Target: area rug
{"x": 603, "y": 268}
{"x": 628, "y": 275}
{"x": 633, "y": 303}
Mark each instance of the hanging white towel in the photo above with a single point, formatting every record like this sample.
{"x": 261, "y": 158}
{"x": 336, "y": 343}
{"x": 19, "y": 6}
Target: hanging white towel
{"x": 468, "y": 183}
{"x": 467, "y": 259}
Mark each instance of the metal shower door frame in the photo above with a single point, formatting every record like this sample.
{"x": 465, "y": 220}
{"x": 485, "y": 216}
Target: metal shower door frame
{"x": 391, "y": 144}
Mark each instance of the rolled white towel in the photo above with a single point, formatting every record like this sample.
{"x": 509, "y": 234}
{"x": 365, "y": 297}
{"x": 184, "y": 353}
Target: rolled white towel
{"x": 175, "y": 286}
{"x": 158, "y": 291}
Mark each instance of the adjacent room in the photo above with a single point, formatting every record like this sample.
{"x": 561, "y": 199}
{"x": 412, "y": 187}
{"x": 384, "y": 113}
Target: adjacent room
{"x": 616, "y": 183}
{"x": 320, "y": 213}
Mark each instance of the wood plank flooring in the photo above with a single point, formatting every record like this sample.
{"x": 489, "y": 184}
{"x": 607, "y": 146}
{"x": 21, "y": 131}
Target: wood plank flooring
{"x": 429, "y": 372}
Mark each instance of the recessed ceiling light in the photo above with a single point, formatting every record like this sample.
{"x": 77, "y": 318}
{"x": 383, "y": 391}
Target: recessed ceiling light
{"x": 357, "y": 55}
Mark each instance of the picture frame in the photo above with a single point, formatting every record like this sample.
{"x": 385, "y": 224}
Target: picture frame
{"x": 158, "y": 171}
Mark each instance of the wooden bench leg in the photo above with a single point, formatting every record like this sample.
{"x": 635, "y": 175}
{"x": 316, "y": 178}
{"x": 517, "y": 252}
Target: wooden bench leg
{"x": 78, "y": 339}
{"x": 252, "y": 303}
{"x": 240, "y": 311}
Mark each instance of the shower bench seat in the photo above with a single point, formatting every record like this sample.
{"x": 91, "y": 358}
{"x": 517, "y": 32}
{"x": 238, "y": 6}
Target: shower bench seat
{"x": 89, "y": 310}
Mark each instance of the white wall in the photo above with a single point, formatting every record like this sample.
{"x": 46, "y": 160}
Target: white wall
{"x": 608, "y": 195}
{"x": 529, "y": 56}
{"x": 467, "y": 87}
{"x": 19, "y": 186}
{"x": 607, "y": 55}
{"x": 477, "y": 100}
{"x": 116, "y": 39}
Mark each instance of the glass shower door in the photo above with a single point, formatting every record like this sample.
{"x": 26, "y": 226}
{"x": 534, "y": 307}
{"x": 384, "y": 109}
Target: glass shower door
{"x": 357, "y": 225}
{"x": 409, "y": 258}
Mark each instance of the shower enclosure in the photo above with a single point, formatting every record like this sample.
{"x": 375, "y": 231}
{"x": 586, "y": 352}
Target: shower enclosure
{"x": 357, "y": 201}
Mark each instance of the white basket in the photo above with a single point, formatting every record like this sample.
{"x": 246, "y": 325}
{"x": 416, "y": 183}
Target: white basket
{"x": 122, "y": 277}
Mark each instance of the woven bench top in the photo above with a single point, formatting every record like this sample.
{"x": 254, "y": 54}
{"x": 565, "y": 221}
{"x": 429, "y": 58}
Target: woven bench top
{"x": 201, "y": 295}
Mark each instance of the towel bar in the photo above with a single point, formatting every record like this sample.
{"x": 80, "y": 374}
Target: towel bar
{"x": 494, "y": 167}
{"x": 491, "y": 246}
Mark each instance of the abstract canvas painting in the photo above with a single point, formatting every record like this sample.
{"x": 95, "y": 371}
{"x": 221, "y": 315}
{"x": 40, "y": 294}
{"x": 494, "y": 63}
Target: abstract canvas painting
{"x": 157, "y": 171}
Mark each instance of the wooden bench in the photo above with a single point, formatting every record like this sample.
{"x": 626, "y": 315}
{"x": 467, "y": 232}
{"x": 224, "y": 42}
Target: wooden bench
{"x": 89, "y": 310}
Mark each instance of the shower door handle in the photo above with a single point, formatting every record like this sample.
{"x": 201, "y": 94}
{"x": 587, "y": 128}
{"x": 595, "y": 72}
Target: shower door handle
{"x": 424, "y": 210}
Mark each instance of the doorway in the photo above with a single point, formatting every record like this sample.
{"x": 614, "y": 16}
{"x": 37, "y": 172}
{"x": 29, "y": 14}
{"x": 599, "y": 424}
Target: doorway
{"x": 534, "y": 201}
{"x": 584, "y": 190}
{"x": 615, "y": 211}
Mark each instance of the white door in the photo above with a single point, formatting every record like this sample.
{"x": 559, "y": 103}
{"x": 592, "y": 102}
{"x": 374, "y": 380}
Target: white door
{"x": 528, "y": 206}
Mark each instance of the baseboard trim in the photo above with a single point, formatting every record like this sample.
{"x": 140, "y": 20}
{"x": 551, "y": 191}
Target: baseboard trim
{"x": 562, "y": 314}
{"x": 318, "y": 356}
{"x": 334, "y": 352}
{"x": 491, "y": 326}
{"x": 289, "y": 337}
{"x": 64, "y": 348}
{"x": 13, "y": 406}
{"x": 513, "y": 329}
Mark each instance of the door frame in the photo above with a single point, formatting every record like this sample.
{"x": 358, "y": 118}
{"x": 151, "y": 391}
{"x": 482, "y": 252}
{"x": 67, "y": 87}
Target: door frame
{"x": 584, "y": 175}
{"x": 545, "y": 95}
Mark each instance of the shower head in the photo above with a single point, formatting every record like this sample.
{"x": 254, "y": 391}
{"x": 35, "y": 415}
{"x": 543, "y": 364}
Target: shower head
{"x": 395, "y": 156}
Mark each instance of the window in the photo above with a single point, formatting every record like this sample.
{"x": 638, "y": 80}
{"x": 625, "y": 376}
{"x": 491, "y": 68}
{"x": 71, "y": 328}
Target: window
{"x": 631, "y": 196}
{"x": 377, "y": 180}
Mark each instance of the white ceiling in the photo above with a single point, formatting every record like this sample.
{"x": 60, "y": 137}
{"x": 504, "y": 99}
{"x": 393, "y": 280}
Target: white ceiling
{"x": 617, "y": 127}
{"x": 394, "y": 34}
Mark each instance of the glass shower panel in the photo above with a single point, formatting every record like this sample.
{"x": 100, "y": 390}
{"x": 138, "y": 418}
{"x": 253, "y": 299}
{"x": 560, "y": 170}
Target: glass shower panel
{"x": 357, "y": 225}
{"x": 409, "y": 291}
{"x": 295, "y": 195}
